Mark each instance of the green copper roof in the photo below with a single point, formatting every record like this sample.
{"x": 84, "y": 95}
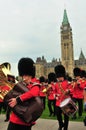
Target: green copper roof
{"x": 65, "y": 18}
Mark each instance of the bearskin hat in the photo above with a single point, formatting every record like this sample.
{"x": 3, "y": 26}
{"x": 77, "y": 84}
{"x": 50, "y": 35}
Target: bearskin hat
{"x": 26, "y": 66}
{"x": 77, "y": 71}
{"x": 60, "y": 71}
{"x": 51, "y": 77}
{"x": 83, "y": 73}
{"x": 42, "y": 79}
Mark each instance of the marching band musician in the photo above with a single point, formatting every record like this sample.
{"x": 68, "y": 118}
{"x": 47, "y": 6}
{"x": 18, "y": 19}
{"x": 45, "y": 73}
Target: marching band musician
{"x": 83, "y": 76}
{"x": 26, "y": 71}
{"x": 6, "y": 77}
{"x": 42, "y": 87}
{"x": 84, "y": 93}
{"x": 62, "y": 92}
{"x": 2, "y": 103}
{"x": 4, "y": 70}
{"x": 11, "y": 79}
{"x": 77, "y": 93}
{"x": 51, "y": 93}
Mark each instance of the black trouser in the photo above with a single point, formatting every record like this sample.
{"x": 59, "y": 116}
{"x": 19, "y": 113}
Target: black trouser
{"x": 59, "y": 118}
{"x": 1, "y": 106}
{"x": 43, "y": 101}
{"x": 80, "y": 105}
{"x": 51, "y": 106}
{"x": 8, "y": 111}
{"x": 13, "y": 126}
{"x": 4, "y": 106}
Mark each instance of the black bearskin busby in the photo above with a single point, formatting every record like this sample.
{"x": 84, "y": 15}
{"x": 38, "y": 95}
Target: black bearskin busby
{"x": 51, "y": 77}
{"x": 42, "y": 79}
{"x": 60, "y": 71}
{"x": 83, "y": 74}
{"x": 77, "y": 71}
{"x": 26, "y": 67}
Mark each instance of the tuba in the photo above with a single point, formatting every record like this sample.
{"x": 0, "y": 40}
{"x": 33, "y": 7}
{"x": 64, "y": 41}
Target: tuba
{"x": 7, "y": 80}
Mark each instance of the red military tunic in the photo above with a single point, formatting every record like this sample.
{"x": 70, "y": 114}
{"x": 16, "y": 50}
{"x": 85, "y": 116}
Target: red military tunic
{"x": 5, "y": 89}
{"x": 77, "y": 90}
{"x": 42, "y": 94}
{"x": 51, "y": 92}
{"x": 84, "y": 92}
{"x": 59, "y": 91}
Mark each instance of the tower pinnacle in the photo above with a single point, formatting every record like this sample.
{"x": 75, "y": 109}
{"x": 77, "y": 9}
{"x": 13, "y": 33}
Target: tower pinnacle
{"x": 65, "y": 18}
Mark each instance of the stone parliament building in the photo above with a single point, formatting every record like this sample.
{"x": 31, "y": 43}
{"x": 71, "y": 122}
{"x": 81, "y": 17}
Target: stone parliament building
{"x": 43, "y": 68}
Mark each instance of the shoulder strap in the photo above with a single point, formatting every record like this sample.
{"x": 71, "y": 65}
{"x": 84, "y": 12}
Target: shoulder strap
{"x": 60, "y": 86}
{"x": 36, "y": 84}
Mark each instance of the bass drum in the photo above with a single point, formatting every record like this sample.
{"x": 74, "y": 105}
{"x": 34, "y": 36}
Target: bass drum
{"x": 68, "y": 107}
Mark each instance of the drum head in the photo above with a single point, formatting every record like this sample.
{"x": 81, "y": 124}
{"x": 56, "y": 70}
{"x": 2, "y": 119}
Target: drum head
{"x": 65, "y": 102}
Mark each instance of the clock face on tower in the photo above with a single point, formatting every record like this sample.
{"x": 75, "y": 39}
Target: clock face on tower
{"x": 65, "y": 27}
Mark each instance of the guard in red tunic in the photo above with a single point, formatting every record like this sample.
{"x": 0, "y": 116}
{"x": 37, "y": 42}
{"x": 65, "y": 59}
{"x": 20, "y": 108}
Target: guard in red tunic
{"x": 51, "y": 93}
{"x": 84, "y": 93}
{"x": 62, "y": 92}
{"x": 3, "y": 105}
{"x": 83, "y": 76}
{"x": 11, "y": 80}
{"x": 26, "y": 71}
{"x": 77, "y": 93}
{"x": 42, "y": 87}
{"x": 7, "y": 81}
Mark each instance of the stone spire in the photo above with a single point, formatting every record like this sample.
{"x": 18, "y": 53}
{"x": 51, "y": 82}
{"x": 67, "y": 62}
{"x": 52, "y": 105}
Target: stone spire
{"x": 81, "y": 57}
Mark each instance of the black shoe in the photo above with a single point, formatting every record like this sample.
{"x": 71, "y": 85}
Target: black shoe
{"x": 80, "y": 117}
{"x": 53, "y": 114}
{"x": 50, "y": 114}
{"x": 84, "y": 121}
{"x": 6, "y": 120}
{"x": 74, "y": 117}
{"x": 59, "y": 128}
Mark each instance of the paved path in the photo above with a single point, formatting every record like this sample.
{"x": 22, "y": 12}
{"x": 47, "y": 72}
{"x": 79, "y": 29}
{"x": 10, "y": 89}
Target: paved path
{"x": 44, "y": 124}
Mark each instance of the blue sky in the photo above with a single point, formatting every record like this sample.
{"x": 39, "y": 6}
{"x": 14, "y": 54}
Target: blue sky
{"x": 31, "y": 28}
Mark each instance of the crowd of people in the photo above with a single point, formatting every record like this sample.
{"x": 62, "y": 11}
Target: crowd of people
{"x": 64, "y": 95}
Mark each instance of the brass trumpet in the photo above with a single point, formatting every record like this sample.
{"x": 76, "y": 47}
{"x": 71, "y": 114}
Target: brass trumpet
{"x": 77, "y": 82}
{"x": 47, "y": 88}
